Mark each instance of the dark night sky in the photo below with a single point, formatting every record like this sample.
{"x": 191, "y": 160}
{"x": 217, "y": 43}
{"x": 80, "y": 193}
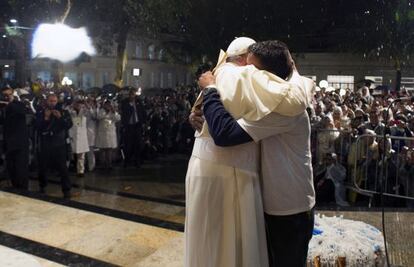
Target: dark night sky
{"x": 319, "y": 26}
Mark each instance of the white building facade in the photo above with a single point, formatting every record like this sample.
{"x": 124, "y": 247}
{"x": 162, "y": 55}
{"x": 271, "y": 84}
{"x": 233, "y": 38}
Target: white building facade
{"x": 339, "y": 69}
{"x": 148, "y": 57}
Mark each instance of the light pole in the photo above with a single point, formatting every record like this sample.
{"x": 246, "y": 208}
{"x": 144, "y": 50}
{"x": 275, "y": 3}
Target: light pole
{"x": 19, "y": 39}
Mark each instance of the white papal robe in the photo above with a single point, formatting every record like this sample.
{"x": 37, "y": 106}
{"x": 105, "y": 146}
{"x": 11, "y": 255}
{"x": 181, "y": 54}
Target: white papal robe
{"x": 224, "y": 212}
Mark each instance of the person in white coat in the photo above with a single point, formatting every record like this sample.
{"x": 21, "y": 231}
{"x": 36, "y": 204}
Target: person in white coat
{"x": 91, "y": 125}
{"x": 106, "y": 139}
{"x": 78, "y": 135}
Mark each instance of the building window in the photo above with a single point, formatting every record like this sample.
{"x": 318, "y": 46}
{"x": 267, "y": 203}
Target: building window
{"x": 72, "y": 76}
{"x": 152, "y": 79}
{"x": 162, "y": 79}
{"x": 138, "y": 50}
{"x": 170, "y": 80}
{"x": 376, "y": 79}
{"x": 341, "y": 81}
{"x": 88, "y": 80}
{"x": 161, "y": 54}
{"x": 187, "y": 58}
{"x": 8, "y": 75}
{"x": 407, "y": 83}
{"x": 151, "y": 52}
{"x": 44, "y": 75}
{"x": 105, "y": 78}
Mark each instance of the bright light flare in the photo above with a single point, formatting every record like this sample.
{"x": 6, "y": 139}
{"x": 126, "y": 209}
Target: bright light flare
{"x": 323, "y": 84}
{"x": 67, "y": 81}
{"x": 61, "y": 42}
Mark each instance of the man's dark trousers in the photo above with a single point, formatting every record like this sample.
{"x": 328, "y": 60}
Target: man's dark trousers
{"x": 288, "y": 238}
{"x": 133, "y": 143}
{"x": 17, "y": 162}
{"x": 54, "y": 157}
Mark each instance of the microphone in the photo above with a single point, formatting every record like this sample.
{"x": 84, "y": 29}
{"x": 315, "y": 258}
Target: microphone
{"x": 405, "y": 98}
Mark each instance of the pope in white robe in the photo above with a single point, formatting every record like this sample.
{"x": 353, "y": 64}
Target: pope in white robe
{"x": 224, "y": 211}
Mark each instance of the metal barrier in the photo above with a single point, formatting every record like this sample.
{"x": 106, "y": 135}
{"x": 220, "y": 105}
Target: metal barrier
{"x": 361, "y": 160}
{"x": 396, "y": 172}
{"x": 331, "y": 141}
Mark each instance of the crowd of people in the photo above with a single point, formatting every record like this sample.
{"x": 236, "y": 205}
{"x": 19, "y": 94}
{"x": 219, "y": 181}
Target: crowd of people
{"x": 129, "y": 128}
{"x": 74, "y": 129}
{"x": 348, "y": 145}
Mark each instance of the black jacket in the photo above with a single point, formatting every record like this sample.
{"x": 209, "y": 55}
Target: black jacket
{"x": 127, "y": 111}
{"x": 16, "y": 133}
{"x": 222, "y": 126}
{"x": 53, "y": 133}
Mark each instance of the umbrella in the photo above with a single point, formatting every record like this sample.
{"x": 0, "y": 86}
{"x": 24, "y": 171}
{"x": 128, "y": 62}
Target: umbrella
{"x": 366, "y": 82}
{"x": 110, "y": 89}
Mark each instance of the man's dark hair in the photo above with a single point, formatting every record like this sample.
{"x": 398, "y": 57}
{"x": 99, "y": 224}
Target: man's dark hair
{"x": 5, "y": 87}
{"x": 274, "y": 57}
{"x": 52, "y": 95}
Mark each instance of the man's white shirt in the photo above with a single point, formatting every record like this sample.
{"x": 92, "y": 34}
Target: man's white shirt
{"x": 286, "y": 162}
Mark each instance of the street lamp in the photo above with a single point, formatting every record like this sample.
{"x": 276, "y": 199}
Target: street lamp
{"x": 13, "y": 21}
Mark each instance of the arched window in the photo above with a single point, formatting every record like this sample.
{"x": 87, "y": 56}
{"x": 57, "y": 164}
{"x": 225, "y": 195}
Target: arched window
{"x": 138, "y": 50}
{"x": 161, "y": 54}
{"x": 151, "y": 52}
{"x": 187, "y": 58}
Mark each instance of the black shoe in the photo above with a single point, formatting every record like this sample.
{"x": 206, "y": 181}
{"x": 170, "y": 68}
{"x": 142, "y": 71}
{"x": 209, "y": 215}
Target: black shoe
{"x": 67, "y": 195}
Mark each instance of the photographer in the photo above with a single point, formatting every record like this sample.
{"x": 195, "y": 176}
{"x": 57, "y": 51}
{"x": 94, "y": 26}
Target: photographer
{"x": 53, "y": 124}
{"x": 132, "y": 120}
{"x": 16, "y": 138}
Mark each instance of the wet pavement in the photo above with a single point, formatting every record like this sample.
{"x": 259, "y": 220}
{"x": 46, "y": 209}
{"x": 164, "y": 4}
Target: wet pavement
{"x": 154, "y": 195}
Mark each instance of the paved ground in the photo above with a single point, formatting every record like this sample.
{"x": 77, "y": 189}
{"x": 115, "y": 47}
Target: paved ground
{"x": 154, "y": 195}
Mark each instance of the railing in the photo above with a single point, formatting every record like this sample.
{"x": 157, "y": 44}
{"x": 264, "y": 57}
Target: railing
{"x": 326, "y": 141}
{"x": 358, "y": 167}
{"x": 395, "y": 168}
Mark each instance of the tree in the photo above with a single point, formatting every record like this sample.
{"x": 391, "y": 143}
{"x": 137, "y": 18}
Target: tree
{"x": 30, "y": 14}
{"x": 113, "y": 21}
{"x": 386, "y": 27}
{"x": 109, "y": 21}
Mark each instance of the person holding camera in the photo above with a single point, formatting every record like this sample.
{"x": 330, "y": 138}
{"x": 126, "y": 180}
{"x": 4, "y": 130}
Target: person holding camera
{"x": 132, "y": 121}
{"x": 53, "y": 124}
{"x": 16, "y": 138}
